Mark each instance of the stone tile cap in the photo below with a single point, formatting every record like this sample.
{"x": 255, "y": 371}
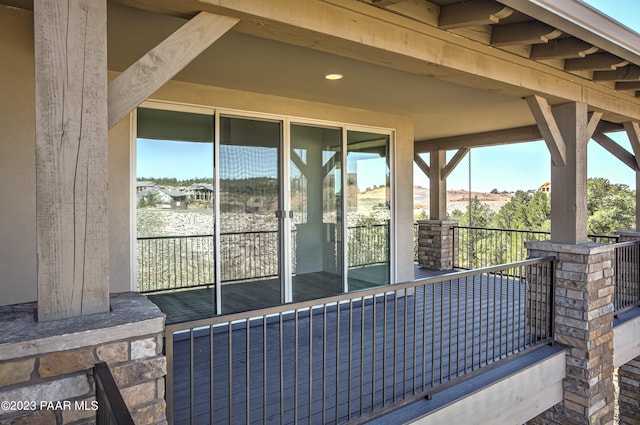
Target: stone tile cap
{"x": 131, "y": 315}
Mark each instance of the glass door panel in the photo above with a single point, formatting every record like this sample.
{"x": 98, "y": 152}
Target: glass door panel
{"x": 368, "y": 210}
{"x": 250, "y": 215}
{"x": 315, "y": 188}
{"x": 174, "y": 209}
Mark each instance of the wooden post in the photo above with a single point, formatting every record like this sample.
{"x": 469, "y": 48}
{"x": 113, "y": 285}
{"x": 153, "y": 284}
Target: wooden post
{"x": 71, "y": 157}
{"x": 437, "y": 186}
{"x": 569, "y": 182}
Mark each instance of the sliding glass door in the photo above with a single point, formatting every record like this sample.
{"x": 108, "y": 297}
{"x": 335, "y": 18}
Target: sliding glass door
{"x": 250, "y": 213}
{"x": 315, "y": 189}
{"x": 368, "y": 192}
{"x": 256, "y": 212}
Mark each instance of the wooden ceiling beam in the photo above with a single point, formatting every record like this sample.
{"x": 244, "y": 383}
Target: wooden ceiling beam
{"x": 473, "y": 12}
{"x": 627, "y": 73}
{"x": 628, "y": 85}
{"x": 532, "y": 32}
{"x": 596, "y": 62}
{"x": 487, "y": 138}
{"x": 562, "y": 48}
{"x": 385, "y": 3}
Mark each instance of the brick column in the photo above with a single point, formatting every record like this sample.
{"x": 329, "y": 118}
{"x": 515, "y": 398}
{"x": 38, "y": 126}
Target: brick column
{"x": 50, "y": 365}
{"x": 583, "y": 321}
{"x": 629, "y": 235}
{"x": 437, "y": 244}
{"x": 629, "y": 395}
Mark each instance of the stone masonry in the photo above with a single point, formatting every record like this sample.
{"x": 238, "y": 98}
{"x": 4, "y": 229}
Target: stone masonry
{"x": 629, "y": 396}
{"x": 583, "y": 321}
{"x": 437, "y": 244}
{"x": 46, "y": 369}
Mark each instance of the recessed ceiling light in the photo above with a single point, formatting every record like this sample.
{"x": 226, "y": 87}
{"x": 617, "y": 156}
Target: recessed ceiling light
{"x": 333, "y": 76}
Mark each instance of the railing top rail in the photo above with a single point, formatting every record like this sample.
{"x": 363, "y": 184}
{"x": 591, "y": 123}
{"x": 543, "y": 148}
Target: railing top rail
{"x": 351, "y": 296}
{"x": 627, "y": 243}
{"x": 544, "y": 232}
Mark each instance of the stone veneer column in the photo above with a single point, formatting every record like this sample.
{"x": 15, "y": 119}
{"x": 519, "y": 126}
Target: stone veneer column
{"x": 629, "y": 396}
{"x": 437, "y": 244}
{"x": 584, "y": 322}
{"x": 53, "y": 362}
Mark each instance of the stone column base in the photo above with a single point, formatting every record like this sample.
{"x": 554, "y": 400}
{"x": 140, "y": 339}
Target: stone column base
{"x": 437, "y": 244}
{"x": 49, "y": 366}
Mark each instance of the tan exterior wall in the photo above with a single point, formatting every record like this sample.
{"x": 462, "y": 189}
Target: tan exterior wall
{"x": 18, "y": 258}
{"x": 17, "y": 158}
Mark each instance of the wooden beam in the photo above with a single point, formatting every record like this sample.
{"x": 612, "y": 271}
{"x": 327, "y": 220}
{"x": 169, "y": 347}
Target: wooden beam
{"x": 488, "y": 138}
{"x": 633, "y": 131}
{"x": 616, "y": 150}
{"x": 562, "y": 48}
{"x": 422, "y": 165}
{"x": 548, "y": 128}
{"x": 385, "y": 3}
{"x": 473, "y": 12}
{"x": 628, "y": 85}
{"x": 453, "y": 163}
{"x": 594, "y": 120}
{"x": 164, "y": 61}
{"x": 70, "y": 40}
{"x": 304, "y": 168}
{"x": 596, "y": 62}
{"x": 626, "y": 73}
{"x": 532, "y": 32}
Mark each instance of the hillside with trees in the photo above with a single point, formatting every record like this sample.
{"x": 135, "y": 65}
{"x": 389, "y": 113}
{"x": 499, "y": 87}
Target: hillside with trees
{"x": 610, "y": 207}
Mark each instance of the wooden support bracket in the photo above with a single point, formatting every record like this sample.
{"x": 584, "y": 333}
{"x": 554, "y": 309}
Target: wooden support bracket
{"x": 633, "y": 131}
{"x": 164, "y": 61}
{"x": 548, "y": 128}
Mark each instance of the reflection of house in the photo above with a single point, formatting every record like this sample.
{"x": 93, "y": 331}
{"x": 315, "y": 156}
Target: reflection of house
{"x": 161, "y": 198}
{"x": 546, "y": 187}
{"x": 144, "y": 185}
{"x": 200, "y": 192}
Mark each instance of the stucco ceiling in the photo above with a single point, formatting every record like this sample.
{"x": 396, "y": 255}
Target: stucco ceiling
{"x": 244, "y": 62}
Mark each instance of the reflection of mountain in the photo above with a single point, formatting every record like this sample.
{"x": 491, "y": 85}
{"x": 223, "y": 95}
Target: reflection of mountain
{"x": 249, "y": 195}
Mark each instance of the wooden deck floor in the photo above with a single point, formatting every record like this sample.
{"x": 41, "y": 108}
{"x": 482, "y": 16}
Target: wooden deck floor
{"x": 336, "y": 363}
{"x": 194, "y": 304}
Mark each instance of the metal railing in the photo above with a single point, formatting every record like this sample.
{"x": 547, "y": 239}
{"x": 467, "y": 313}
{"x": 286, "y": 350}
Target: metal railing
{"x": 177, "y": 262}
{"x": 351, "y": 357}
{"x": 627, "y": 276}
{"x": 111, "y": 407}
{"x": 483, "y": 247}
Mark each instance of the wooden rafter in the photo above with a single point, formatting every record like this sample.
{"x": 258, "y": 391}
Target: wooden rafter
{"x": 385, "y": 3}
{"x": 164, "y": 61}
{"x": 548, "y": 128}
{"x": 627, "y": 73}
{"x": 562, "y": 48}
{"x": 615, "y": 149}
{"x": 596, "y": 62}
{"x": 473, "y": 12}
{"x": 628, "y": 85}
{"x": 633, "y": 131}
{"x": 532, "y": 32}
